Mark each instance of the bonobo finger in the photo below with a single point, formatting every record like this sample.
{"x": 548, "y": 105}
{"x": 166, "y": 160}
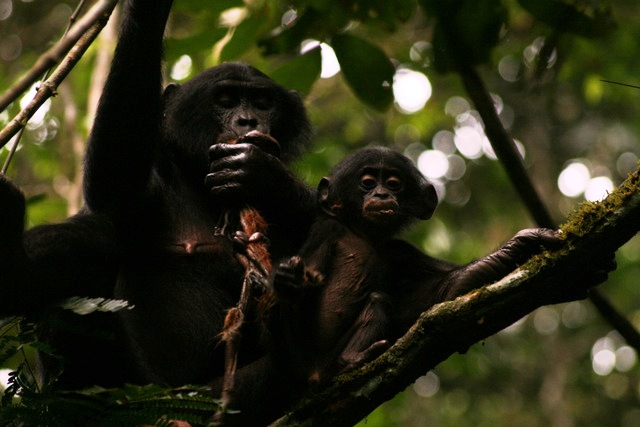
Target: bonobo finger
{"x": 232, "y": 162}
{"x": 217, "y": 151}
{"x": 545, "y": 237}
{"x": 265, "y": 142}
{"x": 227, "y": 189}
{"x": 240, "y": 240}
{"x": 297, "y": 266}
{"x": 224, "y": 177}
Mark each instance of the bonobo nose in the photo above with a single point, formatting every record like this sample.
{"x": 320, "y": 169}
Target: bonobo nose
{"x": 246, "y": 122}
{"x": 382, "y": 194}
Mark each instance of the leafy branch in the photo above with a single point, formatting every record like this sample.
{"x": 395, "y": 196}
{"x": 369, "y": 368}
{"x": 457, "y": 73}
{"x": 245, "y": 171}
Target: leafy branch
{"x": 74, "y": 44}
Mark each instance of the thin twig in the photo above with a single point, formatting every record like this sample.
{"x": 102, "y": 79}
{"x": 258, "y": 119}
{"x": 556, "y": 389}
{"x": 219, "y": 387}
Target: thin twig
{"x": 12, "y": 152}
{"x": 98, "y": 13}
{"x": 74, "y": 17}
{"x": 48, "y": 88}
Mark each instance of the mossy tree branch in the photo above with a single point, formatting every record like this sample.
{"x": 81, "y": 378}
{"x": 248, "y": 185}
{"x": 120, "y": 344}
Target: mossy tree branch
{"x": 593, "y": 232}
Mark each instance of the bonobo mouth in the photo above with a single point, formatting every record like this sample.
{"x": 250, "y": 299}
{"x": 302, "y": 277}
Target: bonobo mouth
{"x": 381, "y": 209}
{"x": 265, "y": 142}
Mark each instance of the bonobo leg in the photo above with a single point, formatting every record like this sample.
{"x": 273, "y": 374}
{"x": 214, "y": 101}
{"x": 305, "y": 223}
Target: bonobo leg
{"x": 369, "y": 334}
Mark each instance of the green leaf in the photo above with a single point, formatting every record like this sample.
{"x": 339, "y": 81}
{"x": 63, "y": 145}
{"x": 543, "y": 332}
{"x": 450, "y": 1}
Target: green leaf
{"x": 587, "y": 19}
{"x": 301, "y": 72}
{"x": 367, "y": 70}
{"x": 244, "y": 37}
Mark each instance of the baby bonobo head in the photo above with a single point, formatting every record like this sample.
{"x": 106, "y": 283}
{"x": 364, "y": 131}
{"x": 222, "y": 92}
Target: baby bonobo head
{"x": 377, "y": 192}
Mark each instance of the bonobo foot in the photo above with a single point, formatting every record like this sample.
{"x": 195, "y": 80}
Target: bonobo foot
{"x": 353, "y": 360}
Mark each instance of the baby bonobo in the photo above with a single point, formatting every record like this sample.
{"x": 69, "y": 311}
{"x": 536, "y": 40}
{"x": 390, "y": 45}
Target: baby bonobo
{"x": 333, "y": 298}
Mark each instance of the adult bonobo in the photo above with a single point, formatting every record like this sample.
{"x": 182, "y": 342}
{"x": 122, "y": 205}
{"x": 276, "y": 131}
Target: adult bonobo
{"x": 159, "y": 166}
{"x": 159, "y": 182}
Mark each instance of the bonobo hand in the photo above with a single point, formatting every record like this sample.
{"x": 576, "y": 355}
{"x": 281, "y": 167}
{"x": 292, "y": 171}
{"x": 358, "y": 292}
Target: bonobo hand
{"x": 12, "y": 211}
{"x": 244, "y": 172}
{"x": 293, "y": 276}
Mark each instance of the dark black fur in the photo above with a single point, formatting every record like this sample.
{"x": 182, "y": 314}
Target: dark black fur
{"x": 353, "y": 290}
{"x": 160, "y": 176}
{"x": 334, "y": 300}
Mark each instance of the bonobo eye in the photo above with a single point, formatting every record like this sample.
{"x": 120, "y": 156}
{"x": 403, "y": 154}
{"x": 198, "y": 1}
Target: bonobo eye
{"x": 262, "y": 103}
{"x": 225, "y": 100}
{"x": 368, "y": 182}
{"x": 393, "y": 183}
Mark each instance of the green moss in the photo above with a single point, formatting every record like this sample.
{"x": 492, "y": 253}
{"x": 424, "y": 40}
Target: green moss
{"x": 591, "y": 214}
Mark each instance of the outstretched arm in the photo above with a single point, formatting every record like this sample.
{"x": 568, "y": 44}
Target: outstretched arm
{"x": 423, "y": 281}
{"x": 127, "y": 123}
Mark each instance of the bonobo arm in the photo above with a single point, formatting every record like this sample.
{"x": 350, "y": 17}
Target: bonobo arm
{"x": 50, "y": 262}
{"x": 126, "y": 127}
{"x": 12, "y": 213}
{"x": 498, "y": 264}
{"x": 423, "y": 281}
{"x": 12, "y": 256}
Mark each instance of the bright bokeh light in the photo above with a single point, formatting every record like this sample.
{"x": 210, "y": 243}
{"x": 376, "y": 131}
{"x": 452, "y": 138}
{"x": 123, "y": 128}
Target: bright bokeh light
{"x": 598, "y": 188}
{"x": 433, "y": 164}
{"x": 182, "y": 68}
{"x": 443, "y": 141}
{"x": 457, "y": 167}
{"x": 420, "y": 51}
{"x": 608, "y": 354}
{"x": 330, "y": 64}
{"x": 509, "y": 68}
{"x": 468, "y": 142}
{"x": 38, "y": 118}
{"x": 456, "y": 105}
{"x": 411, "y": 90}
{"x": 546, "y": 320}
{"x": 233, "y": 17}
{"x": 427, "y": 385}
{"x": 6, "y": 9}
{"x": 574, "y": 314}
{"x": 573, "y": 180}
{"x": 4, "y": 378}
{"x": 626, "y": 358}
{"x": 626, "y": 162}
{"x": 603, "y": 361}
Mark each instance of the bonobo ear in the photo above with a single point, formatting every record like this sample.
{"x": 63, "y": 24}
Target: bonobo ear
{"x": 169, "y": 91}
{"x": 323, "y": 196}
{"x": 425, "y": 202}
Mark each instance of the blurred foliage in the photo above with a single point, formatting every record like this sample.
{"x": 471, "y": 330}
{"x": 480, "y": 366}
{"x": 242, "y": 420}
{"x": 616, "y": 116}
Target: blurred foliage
{"x": 544, "y": 62}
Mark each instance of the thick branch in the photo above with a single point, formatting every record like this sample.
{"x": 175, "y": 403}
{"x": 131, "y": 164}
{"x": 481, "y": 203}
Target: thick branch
{"x": 78, "y": 41}
{"x": 454, "y": 326}
{"x": 504, "y": 147}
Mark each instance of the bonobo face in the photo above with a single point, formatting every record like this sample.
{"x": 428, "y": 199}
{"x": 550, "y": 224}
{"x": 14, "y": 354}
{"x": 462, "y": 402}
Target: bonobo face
{"x": 377, "y": 191}
{"x": 243, "y": 107}
{"x": 380, "y": 189}
{"x": 227, "y": 102}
